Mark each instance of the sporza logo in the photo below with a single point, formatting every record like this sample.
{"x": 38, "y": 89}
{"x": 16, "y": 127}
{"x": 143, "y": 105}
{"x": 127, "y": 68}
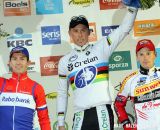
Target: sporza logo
{"x": 118, "y": 58}
{"x": 120, "y": 61}
{"x": 85, "y": 76}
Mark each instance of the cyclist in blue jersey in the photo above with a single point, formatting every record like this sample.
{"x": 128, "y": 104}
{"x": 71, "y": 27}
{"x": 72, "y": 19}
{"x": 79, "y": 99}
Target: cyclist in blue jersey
{"x": 21, "y": 97}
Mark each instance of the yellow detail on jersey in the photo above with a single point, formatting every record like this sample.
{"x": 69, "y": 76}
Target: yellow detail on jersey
{"x": 147, "y": 88}
{"x": 125, "y": 80}
{"x": 109, "y": 41}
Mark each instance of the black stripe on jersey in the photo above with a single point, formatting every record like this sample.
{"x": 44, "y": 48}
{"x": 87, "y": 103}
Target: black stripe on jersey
{"x": 153, "y": 95}
{"x": 108, "y": 41}
{"x": 102, "y": 72}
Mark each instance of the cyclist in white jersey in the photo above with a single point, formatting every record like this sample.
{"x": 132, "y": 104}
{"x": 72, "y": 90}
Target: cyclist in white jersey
{"x": 142, "y": 87}
{"x": 85, "y": 70}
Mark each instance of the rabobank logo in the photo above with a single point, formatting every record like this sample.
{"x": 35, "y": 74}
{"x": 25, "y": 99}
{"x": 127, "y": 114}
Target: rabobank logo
{"x": 51, "y": 35}
{"x": 85, "y": 76}
{"x": 106, "y": 30}
{"x": 15, "y": 99}
{"x": 19, "y": 39}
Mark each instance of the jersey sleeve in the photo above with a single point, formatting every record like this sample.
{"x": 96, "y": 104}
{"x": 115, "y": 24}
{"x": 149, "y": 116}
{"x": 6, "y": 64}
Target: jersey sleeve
{"x": 115, "y": 38}
{"x": 120, "y": 103}
{"x": 41, "y": 107}
{"x": 62, "y": 98}
{"x": 2, "y": 80}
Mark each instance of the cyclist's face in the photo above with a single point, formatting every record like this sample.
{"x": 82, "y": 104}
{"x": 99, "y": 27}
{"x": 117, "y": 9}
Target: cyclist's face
{"x": 79, "y": 34}
{"x": 146, "y": 58}
{"x": 19, "y": 63}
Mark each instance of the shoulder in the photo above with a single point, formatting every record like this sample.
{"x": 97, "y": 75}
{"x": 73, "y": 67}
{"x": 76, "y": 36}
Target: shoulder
{"x": 127, "y": 81}
{"x": 66, "y": 58}
{"x": 38, "y": 88}
{"x": 130, "y": 77}
{"x": 34, "y": 83}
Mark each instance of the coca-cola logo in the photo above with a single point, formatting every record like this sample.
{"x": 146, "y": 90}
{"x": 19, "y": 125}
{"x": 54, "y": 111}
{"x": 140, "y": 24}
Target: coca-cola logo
{"x": 51, "y": 65}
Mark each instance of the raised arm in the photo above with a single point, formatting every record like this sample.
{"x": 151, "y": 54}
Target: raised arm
{"x": 115, "y": 38}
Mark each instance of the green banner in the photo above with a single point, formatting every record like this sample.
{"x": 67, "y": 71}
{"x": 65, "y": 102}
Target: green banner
{"x": 120, "y": 60}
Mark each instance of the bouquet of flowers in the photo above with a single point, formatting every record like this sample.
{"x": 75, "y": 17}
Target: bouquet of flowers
{"x": 143, "y": 4}
{"x": 146, "y": 4}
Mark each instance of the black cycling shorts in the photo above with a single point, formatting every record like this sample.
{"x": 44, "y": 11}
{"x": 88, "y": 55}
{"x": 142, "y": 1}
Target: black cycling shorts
{"x": 96, "y": 118}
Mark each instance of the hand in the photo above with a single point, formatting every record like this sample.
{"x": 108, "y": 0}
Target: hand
{"x": 125, "y": 127}
{"x": 132, "y": 3}
{"x": 61, "y": 128}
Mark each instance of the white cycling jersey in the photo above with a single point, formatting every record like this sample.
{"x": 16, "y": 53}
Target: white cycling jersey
{"x": 85, "y": 70}
{"x": 143, "y": 88}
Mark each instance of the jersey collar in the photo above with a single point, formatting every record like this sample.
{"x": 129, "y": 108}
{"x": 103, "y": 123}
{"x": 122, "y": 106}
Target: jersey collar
{"x": 21, "y": 76}
{"x": 147, "y": 71}
{"x": 81, "y": 48}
